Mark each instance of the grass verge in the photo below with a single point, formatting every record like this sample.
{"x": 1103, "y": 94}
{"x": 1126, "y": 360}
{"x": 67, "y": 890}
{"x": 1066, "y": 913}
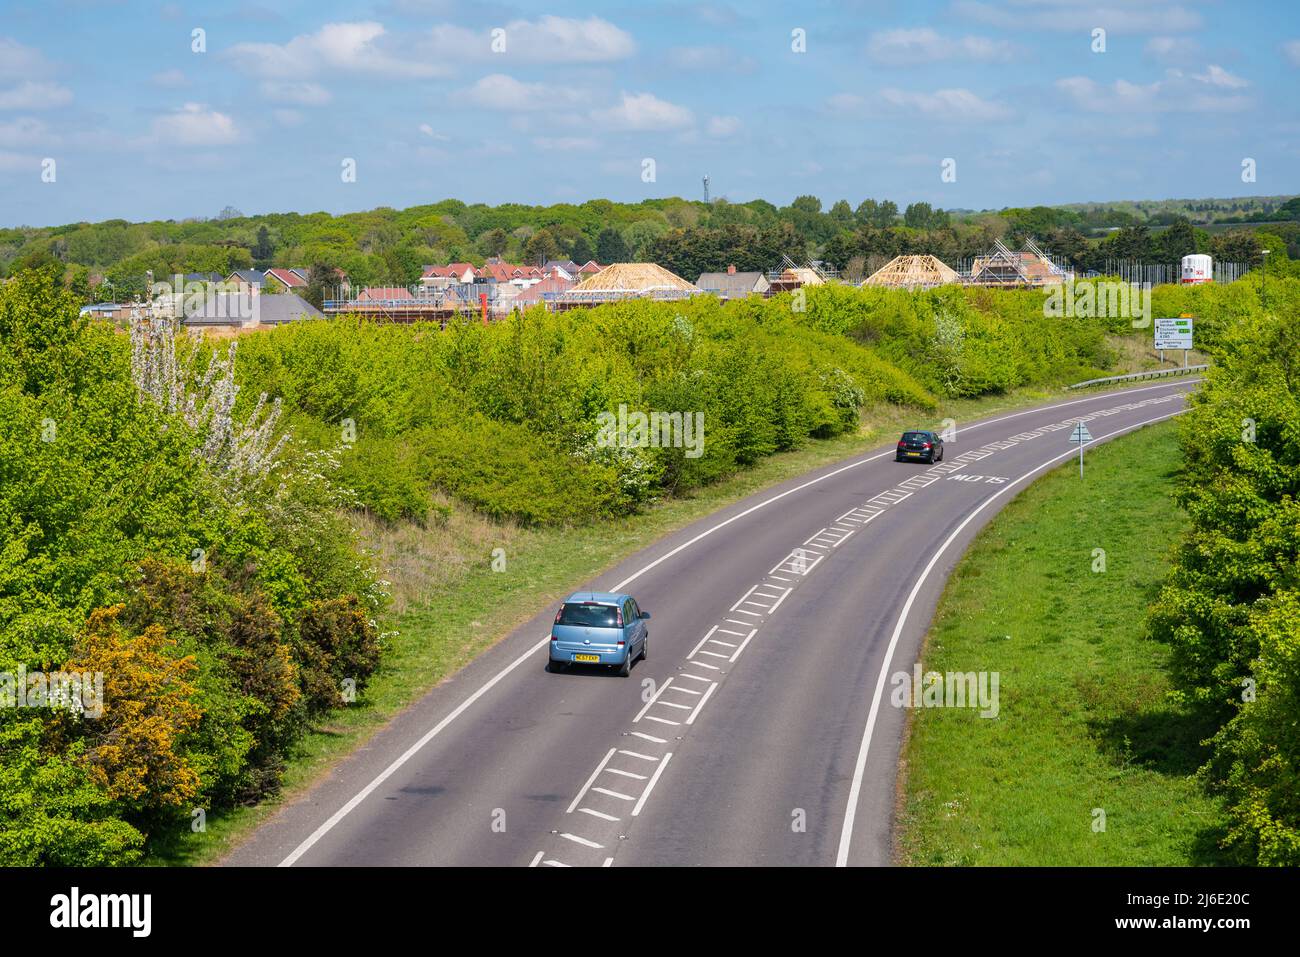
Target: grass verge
{"x": 1084, "y": 727}
{"x": 450, "y": 605}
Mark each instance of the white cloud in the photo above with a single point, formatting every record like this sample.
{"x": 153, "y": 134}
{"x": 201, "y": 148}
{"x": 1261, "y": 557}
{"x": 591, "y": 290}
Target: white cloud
{"x": 923, "y": 45}
{"x": 501, "y": 92}
{"x": 1177, "y": 92}
{"x": 565, "y": 144}
{"x": 24, "y": 131}
{"x": 1171, "y": 49}
{"x": 644, "y": 111}
{"x": 21, "y": 62}
{"x": 724, "y": 126}
{"x": 34, "y": 95}
{"x": 1218, "y": 76}
{"x": 300, "y": 92}
{"x": 363, "y": 48}
{"x": 1291, "y": 50}
{"x": 553, "y": 39}
{"x": 949, "y": 105}
{"x": 1152, "y": 16}
{"x": 548, "y": 39}
{"x": 704, "y": 59}
{"x": 169, "y": 79}
{"x": 289, "y": 117}
{"x": 195, "y": 125}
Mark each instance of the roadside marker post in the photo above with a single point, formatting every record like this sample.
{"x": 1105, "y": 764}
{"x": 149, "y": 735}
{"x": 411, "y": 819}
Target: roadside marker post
{"x": 1080, "y": 435}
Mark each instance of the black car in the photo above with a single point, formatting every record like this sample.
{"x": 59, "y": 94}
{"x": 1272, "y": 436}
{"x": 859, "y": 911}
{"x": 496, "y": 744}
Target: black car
{"x": 920, "y": 445}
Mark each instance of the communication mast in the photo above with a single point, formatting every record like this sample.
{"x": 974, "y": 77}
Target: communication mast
{"x": 706, "y": 188}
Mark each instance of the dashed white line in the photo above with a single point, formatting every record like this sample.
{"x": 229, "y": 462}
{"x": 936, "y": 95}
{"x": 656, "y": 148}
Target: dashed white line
{"x": 581, "y": 840}
{"x": 691, "y": 719}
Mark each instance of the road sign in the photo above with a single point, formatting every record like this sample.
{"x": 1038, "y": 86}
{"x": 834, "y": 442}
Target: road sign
{"x": 1080, "y": 436}
{"x": 1174, "y": 333}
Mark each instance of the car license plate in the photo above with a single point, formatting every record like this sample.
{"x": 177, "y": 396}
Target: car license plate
{"x": 586, "y": 657}
{"x": 917, "y": 454}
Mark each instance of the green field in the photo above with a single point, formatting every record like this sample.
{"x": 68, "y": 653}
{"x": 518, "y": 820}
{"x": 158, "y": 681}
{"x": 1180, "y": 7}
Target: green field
{"x": 1085, "y": 726}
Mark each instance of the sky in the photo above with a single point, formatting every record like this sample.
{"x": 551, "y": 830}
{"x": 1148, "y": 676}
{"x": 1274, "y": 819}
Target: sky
{"x": 145, "y": 110}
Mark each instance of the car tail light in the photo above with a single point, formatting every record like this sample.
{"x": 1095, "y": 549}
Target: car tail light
{"x": 901, "y": 443}
{"x": 926, "y": 446}
{"x": 622, "y": 643}
{"x": 558, "y": 614}
{"x": 555, "y": 637}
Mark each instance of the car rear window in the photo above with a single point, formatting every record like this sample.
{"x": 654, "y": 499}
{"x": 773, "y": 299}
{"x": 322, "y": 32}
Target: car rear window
{"x": 916, "y": 437}
{"x": 589, "y": 616}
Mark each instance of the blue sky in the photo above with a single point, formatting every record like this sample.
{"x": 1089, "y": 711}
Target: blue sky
{"x": 574, "y": 98}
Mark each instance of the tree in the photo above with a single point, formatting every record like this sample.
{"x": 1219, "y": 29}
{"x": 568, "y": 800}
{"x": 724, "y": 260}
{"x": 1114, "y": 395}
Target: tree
{"x": 581, "y": 252}
{"x": 264, "y": 250}
{"x": 322, "y": 280}
{"x": 540, "y": 247}
{"x": 611, "y": 247}
{"x": 1178, "y": 240}
{"x": 494, "y": 242}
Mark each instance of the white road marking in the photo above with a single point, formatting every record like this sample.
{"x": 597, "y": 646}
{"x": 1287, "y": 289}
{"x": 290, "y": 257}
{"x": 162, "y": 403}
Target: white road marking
{"x": 537, "y": 859}
{"x": 609, "y": 862}
{"x": 651, "y": 717}
{"x": 550, "y": 863}
{"x": 637, "y": 754}
{"x": 846, "y": 832}
{"x": 600, "y": 814}
{"x": 591, "y": 780}
{"x": 654, "y": 779}
{"x": 650, "y": 737}
{"x": 687, "y": 674}
{"x": 626, "y": 774}
{"x": 742, "y": 646}
{"x": 691, "y": 719}
{"x": 615, "y": 794}
{"x": 658, "y": 691}
{"x": 685, "y": 690}
{"x": 332, "y": 821}
{"x": 582, "y": 840}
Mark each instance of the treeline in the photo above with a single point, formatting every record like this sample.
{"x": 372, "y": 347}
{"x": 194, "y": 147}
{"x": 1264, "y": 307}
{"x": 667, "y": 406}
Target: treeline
{"x": 390, "y": 247}
{"x": 504, "y": 417}
{"x": 221, "y": 612}
{"x": 1230, "y": 609}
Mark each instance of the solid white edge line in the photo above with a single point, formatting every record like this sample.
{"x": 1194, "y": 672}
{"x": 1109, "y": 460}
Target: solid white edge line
{"x": 492, "y": 682}
{"x": 654, "y": 779}
{"x": 855, "y": 788}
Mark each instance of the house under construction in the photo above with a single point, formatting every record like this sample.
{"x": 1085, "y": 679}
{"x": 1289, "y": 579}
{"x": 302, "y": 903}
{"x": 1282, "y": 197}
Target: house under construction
{"x": 624, "y": 281}
{"x": 913, "y": 272}
{"x": 1002, "y": 266}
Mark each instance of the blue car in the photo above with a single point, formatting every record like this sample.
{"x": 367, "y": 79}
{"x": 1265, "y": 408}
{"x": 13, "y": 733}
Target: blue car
{"x": 599, "y": 628}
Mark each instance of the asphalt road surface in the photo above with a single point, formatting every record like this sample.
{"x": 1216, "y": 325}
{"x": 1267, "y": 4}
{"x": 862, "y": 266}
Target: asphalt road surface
{"x": 759, "y": 731}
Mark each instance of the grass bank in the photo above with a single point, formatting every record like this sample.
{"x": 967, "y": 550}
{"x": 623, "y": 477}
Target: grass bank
{"x": 1084, "y": 728}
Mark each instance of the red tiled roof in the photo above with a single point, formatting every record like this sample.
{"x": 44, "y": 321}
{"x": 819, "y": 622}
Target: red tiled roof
{"x": 287, "y": 277}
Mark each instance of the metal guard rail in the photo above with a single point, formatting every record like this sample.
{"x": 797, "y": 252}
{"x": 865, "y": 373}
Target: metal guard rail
{"x": 1133, "y": 376}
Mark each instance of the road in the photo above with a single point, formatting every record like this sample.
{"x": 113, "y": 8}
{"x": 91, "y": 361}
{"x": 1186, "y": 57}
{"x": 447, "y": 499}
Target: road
{"x": 759, "y": 731}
